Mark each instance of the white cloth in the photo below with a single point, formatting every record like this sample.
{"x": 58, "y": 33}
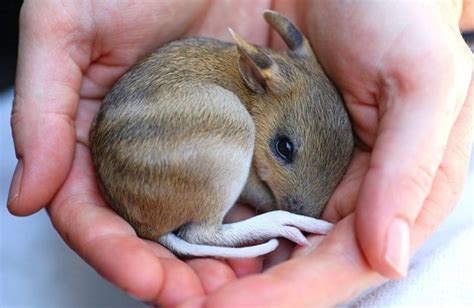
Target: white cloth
{"x": 39, "y": 270}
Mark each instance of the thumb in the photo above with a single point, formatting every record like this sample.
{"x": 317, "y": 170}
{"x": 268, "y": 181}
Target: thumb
{"x": 412, "y": 136}
{"x": 46, "y": 98}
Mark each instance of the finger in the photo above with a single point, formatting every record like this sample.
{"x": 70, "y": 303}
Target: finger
{"x": 448, "y": 183}
{"x": 84, "y": 117}
{"x": 224, "y": 14}
{"x": 343, "y": 200}
{"x": 411, "y": 141}
{"x": 245, "y": 267}
{"x": 212, "y": 273}
{"x": 180, "y": 283}
{"x": 332, "y": 274}
{"x": 48, "y": 80}
{"x": 110, "y": 245}
{"x": 194, "y": 303}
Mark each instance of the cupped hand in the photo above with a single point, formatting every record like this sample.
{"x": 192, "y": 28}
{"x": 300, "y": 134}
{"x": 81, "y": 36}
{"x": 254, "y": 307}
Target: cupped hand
{"x": 406, "y": 77}
{"x": 405, "y": 90}
{"x": 70, "y": 54}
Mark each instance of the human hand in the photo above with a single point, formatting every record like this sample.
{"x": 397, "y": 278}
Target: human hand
{"x": 404, "y": 80}
{"x": 405, "y": 75}
{"x": 79, "y": 213}
{"x": 70, "y": 54}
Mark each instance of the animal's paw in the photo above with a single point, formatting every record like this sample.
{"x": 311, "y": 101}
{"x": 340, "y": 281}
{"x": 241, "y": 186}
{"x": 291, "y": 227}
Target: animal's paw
{"x": 293, "y": 234}
{"x": 292, "y": 224}
{"x": 271, "y": 225}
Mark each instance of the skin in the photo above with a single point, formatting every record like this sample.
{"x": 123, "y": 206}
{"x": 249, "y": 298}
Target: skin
{"x": 411, "y": 108}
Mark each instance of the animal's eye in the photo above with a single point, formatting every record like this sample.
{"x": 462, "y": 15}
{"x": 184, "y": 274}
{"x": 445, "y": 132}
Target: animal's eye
{"x": 284, "y": 148}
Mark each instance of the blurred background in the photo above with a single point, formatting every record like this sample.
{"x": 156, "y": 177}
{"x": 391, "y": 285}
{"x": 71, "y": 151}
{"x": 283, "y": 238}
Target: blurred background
{"x": 37, "y": 269}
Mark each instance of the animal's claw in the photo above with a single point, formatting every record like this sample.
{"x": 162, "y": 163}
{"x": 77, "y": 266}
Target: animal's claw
{"x": 294, "y": 235}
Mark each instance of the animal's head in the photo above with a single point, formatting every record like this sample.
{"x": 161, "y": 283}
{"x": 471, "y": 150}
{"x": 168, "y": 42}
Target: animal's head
{"x": 304, "y": 137}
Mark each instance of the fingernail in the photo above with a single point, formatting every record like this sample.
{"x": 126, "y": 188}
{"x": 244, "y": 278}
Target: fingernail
{"x": 397, "y": 247}
{"x": 16, "y": 183}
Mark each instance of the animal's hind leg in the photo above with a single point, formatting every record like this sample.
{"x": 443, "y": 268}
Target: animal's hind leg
{"x": 259, "y": 228}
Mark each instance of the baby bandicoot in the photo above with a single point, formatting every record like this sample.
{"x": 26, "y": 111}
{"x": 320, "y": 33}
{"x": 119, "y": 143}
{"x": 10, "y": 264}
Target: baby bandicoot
{"x": 200, "y": 123}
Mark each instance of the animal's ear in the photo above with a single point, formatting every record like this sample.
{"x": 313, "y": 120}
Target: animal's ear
{"x": 298, "y": 45}
{"x": 255, "y": 66}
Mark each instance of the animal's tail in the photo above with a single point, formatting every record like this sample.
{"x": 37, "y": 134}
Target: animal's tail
{"x": 181, "y": 247}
